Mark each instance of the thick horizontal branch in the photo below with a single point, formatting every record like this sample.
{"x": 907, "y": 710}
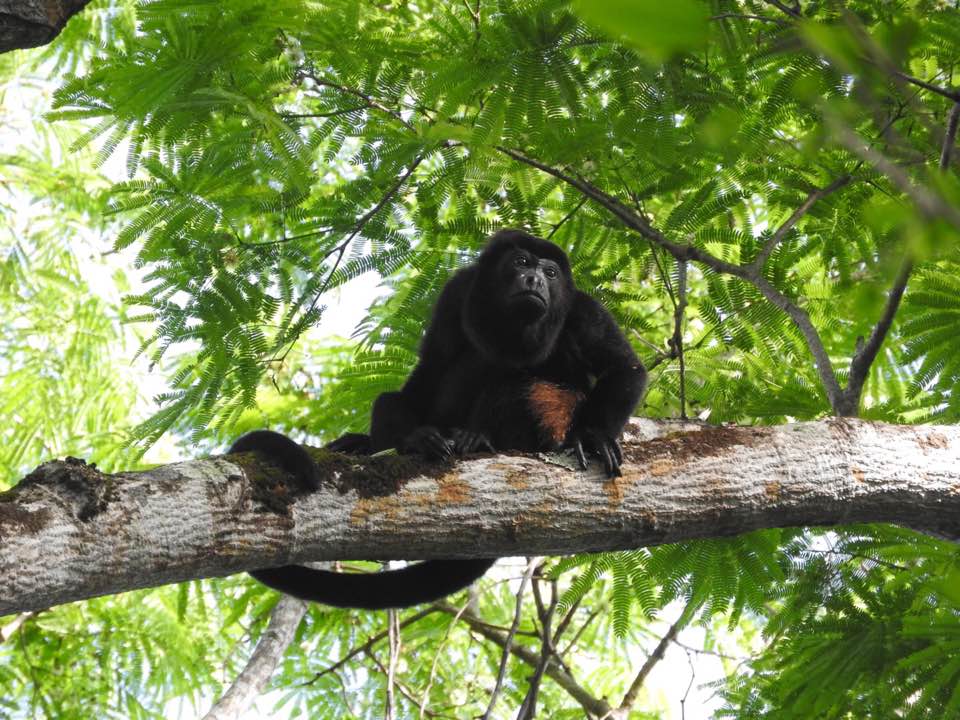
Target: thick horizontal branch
{"x": 69, "y": 532}
{"x": 30, "y": 23}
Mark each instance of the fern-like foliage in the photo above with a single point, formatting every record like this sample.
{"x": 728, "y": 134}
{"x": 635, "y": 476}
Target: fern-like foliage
{"x": 276, "y": 151}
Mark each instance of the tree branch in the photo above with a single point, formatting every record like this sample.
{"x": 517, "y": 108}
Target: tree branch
{"x": 760, "y": 18}
{"x": 950, "y": 137}
{"x": 371, "y": 103}
{"x": 528, "y": 709}
{"x": 690, "y": 252}
{"x": 508, "y": 640}
{"x": 937, "y": 89}
{"x": 784, "y": 8}
{"x": 595, "y": 707}
{"x": 31, "y": 23}
{"x": 928, "y": 203}
{"x": 656, "y": 656}
{"x": 781, "y": 232}
{"x": 866, "y": 354}
{"x": 69, "y": 531}
{"x": 251, "y": 681}
{"x": 368, "y": 645}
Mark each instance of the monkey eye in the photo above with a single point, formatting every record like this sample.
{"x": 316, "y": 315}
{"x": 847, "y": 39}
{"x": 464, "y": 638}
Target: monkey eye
{"x": 550, "y": 272}
{"x": 521, "y": 260}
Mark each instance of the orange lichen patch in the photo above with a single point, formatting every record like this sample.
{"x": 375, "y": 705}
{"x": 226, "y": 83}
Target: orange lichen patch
{"x": 452, "y": 489}
{"x": 376, "y": 509}
{"x": 553, "y": 406}
{"x": 772, "y": 490}
{"x": 859, "y": 475}
{"x": 543, "y": 510}
{"x": 616, "y": 487}
{"x": 661, "y": 466}
{"x": 613, "y": 488}
{"x": 933, "y": 441}
{"x": 515, "y": 477}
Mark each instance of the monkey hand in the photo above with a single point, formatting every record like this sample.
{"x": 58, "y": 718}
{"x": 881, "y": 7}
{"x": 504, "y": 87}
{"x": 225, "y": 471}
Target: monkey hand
{"x": 469, "y": 441}
{"x": 428, "y": 441}
{"x": 600, "y": 444}
{"x": 351, "y": 444}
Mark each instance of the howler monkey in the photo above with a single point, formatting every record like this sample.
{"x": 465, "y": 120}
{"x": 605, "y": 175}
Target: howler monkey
{"x": 514, "y": 358}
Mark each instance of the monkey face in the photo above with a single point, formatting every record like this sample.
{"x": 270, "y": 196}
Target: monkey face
{"x": 530, "y": 284}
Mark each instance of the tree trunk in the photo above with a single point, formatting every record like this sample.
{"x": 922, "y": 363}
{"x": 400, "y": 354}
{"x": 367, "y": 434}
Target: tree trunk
{"x": 69, "y": 532}
{"x": 29, "y": 23}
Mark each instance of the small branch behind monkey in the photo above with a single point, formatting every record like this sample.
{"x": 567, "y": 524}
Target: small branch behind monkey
{"x": 501, "y": 673}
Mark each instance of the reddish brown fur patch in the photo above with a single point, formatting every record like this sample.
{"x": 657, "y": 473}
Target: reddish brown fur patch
{"x": 553, "y": 406}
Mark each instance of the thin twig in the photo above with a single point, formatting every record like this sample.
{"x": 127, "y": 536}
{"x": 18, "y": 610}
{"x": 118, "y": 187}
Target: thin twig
{"x": 331, "y": 113}
{"x": 713, "y": 653}
{"x": 677, "y": 340}
{"x": 373, "y": 640}
{"x": 576, "y": 208}
{"x": 425, "y": 696}
{"x": 393, "y": 630}
{"x": 528, "y": 709}
{"x": 408, "y": 694}
{"x": 517, "y": 614}
{"x": 785, "y": 8}
{"x": 357, "y": 229}
{"x": 370, "y": 101}
{"x": 693, "y": 676}
{"x": 761, "y": 18}
{"x": 594, "y": 614}
{"x": 781, "y": 232}
{"x": 656, "y": 656}
{"x": 593, "y": 706}
{"x": 566, "y": 620}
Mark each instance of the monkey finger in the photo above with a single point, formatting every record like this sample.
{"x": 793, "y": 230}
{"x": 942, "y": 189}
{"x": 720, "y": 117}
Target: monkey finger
{"x": 607, "y": 456}
{"x": 615, "y": 460}
{"x": 578, "y": 449}
{"x": 466, "y": 441}
{"x": 618, "y": 451}
{"x": 440, "y": 450}
{"x": 478, "y": 441}
{"x": 435, "y": 445}
{"x": 461, "y": 441}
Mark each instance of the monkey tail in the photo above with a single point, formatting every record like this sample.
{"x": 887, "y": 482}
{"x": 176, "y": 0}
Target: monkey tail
{"x": 419, "y": 583}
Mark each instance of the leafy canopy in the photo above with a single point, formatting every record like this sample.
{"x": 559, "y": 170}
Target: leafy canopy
{"x": 761, "y": 170}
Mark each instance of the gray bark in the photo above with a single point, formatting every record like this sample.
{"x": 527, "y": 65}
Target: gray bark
{"x": 271, "y": 646}
{"x": 29, "y": 23}
{"x": 69, "y": 532}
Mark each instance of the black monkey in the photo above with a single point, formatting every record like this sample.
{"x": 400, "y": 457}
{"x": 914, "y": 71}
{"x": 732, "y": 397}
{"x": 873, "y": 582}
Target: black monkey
{"x": 515, "y": 358}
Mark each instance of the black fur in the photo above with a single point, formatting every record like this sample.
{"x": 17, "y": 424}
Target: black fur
{"x": 515, "y": 358}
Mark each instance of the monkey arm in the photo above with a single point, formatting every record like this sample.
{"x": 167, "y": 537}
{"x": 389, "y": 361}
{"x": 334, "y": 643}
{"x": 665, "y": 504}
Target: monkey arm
{"x": 620, "y": 382}
{"x": 402, "y": 419}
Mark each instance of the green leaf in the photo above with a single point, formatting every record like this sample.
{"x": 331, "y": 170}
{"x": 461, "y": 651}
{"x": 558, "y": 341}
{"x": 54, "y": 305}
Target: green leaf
{"x": 656, "y": 29}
